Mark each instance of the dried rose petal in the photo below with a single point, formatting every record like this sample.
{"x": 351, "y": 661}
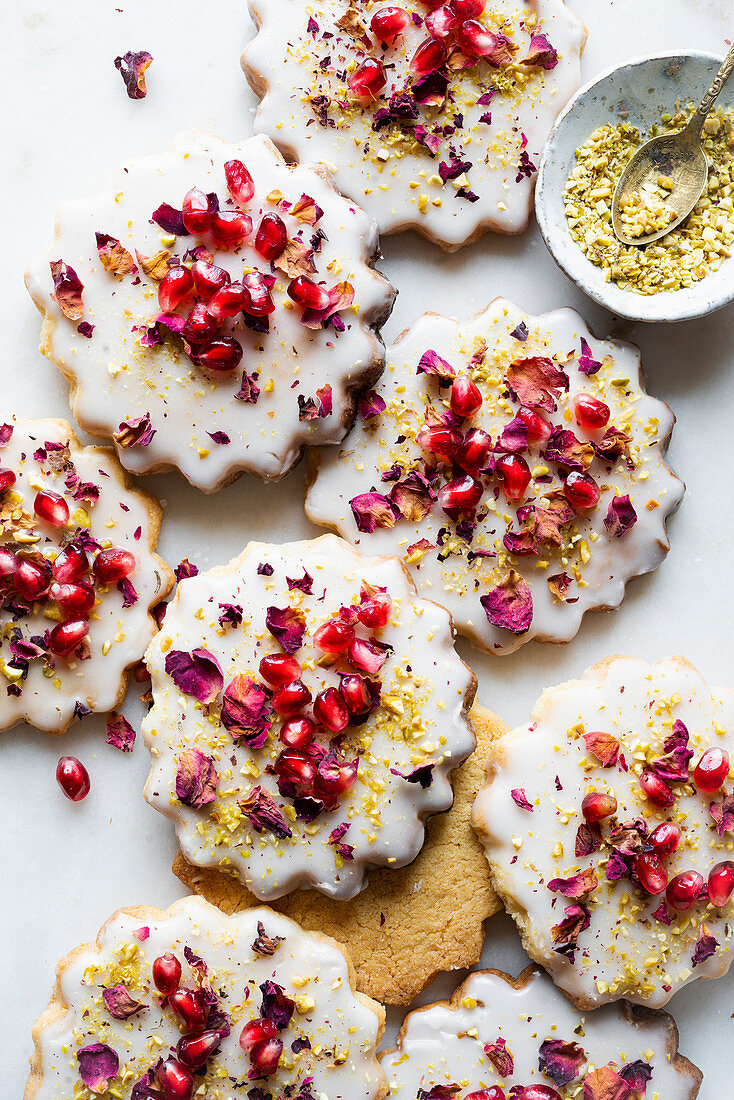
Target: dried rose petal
{"x": 302, "y": 584}
{"x": 613, "y": 444}
{"x": 514, "y": 437}
{"x": 603, "y": 746}
{"x": 561, "y": 1061}
{"x": 306, "y": 210}
{"x": 276, "y": 1006}
{"x": 564, "y": 448}
{"x": 536, "y": 382}
{"x": 577, "y": 886}
{"x": 373, "y": 510}
{"x": 370, "y": 404}
{"x": 131, "y": 67}
{"x": 422, "y": 774}
{"x": 636, "y": 1074}
{"x": 518, "y": 797}
{"x": 265, "y": 813}
{"x": 706, "y": 945}
{"x": 439, "y": 1092}
{"x": 565, "y": 934}
{"x": 120, "y": 734}
{"x": 120, "y": 1003}
{"x": 432, "y": 363}
{"x": 673, "y": 765}
{"x": 287, "y": 625}
{"x": 413, "y": 497}
{"x": 588, "y": 839}
{"x": 196, "y": 779}
{"x": 500, "y": 1057}
{"x": 113, "y": 256}
{"x": 98, "y": 1064}
{"x": 723, "y": 814}
{"x": 509, "y": 605}
{"x": 136, "y": 432}
{"x": 220, "y": 438}
{"x": 620, "y": 517}
{"x": 559, "y": 585}
{"x": 246, "y": 712}
{"x": 265, "y": 944}
{"x": 587, "y": 363}
{"x": 197, "y": 673}
{"x": 170, "y": 220}
{"x": 155, "y": 266}
{"x": 68, "y": 289}
{"x": 542, "y": 54}
{"x": 248, "y": 391}
{"x": 6, "y": 434}
{"x": 605, "y": 1084}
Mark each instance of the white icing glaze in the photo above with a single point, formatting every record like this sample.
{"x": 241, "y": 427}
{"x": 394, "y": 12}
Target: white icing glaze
{"x": 311, "y": 969}
{"x": 456, "y": 583}
{"x": 394, "y": 178}
{"x": 625, "y": 952}
{"x": 114, "y": 377}
{"x": 421, "y": 719}
{"x": 443, "y": 1045}
{"x": 117, "y": 636}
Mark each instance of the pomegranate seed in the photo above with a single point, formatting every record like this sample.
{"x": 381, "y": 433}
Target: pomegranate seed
{"x": 175, "y": 285}
{"x": 581, "y": 491}
{"x": 375, "y": 612}
{"x": 199, "y": 325}
{"x": 357, "y": 695}
{"x": 368, "y": 79}
{"x": 7, "y": 479}
{"x": 665, "y": 839}
{"x": 219, "y": 356}
{"x": 460, "y": 495}
{"x": 166, "y": 973}
{"x": 67, "y": 637}
{"x": 140, "y": 673}
{"x": 51, "y": 508}
{"x": 272, "y": 237}
{"x": 429, "y": 56}
{"x": 596, "y": 806}
{"x": 468, "y": 9}
{"x": 308, "y": 294}
{"x": 440, "y": 441}
{"x": 534, "y": 1092}
{"x": 265, "y": 1057}
{"x": 296, "y": 773}
{"x": 279, "y": 669}
{"x": 388, "y": 24}
{"x": 229, "y": 227}
{"x": 513, "y": 474}
{"x": 297, "y": 732}
{"x": 656, "y": 789}
{"x": 334, "y": 637}
{"x": 32, "y": 579}
{"x": 721, "y": 883}
{"x": 590, "y": 414}
{"x": 175, "y": 1080}
{"x": 73, "y": 778}
{"x": 442, "y": 22}
{"x": 77, "y": 598}
{"x": 228, "y": 302}
{"x": 256, "y": 1031}
{"x": 651, "y": 873}
{"x": 539, "y": 430}
{"x": 196, "y": 1050}
{"x": 239, "y": 181}
{"x": 711, "y": 771}
{"x": 196, "y": 214}
{"x": 684, "y": 890}
{"x": 113, "y": 565}
{"x": 8, "y": 563}
{"x": 473, "y": 453}
{"x": 208, "y": 279}
{"x": 330, "y": 710}
{"x": 259, "y": 301}
{"x": 70, "y": 565}
{"x": 290, "y": 698}
{"x": 465, "y": 396}
{"x": 367, "y": 656}
{"x": 474, "y": 38}
{"x": 494, "y": 1092}
{"x": 190, "y": 1007}
{"x": 333, "y": 780}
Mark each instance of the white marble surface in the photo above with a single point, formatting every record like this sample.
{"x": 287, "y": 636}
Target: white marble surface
{"x": 67, "y": 125}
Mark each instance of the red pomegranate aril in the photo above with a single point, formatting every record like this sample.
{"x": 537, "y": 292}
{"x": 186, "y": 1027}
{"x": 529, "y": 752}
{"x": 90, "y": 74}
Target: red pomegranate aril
{"x": 175, "y": 285}
{"x": 651, "y": 873}
{"x": 330, "y": 710}
{"x": 67, "y": 637}
{"x": 389, "y": 23}
{"x": 32, "y": 580}
{"x": 166, "y": 973}
{"x": 460, "y": 495}
{"x": 597, "y": 805}
{"x": 240, "y": 183}
{"x": 257, "y": 1031}
{"x": 197, "y": 217}
{"x": 51, "y": 508}
{"x": 279, "y": 669}
{"x": 442, "y": 22}
{"x": 208, "y": 278}
{"x": 357, "y": 695}
{"x": 539, "y": 430}
{"x": 368, "y": 79}
{"x": 665, "y": 839}
{"x": 465, "y": 396}
{"x": 7, "y": 479}
{"x": 581, "y": 491}
{"x": 73, "y": 778}
{"x": 721, "y": 883}
{"x": 190, "y": 1008}
{"x": 297, "y": 732}
{"x": 308, "y": 294}
{"x": 468, "y": 9}
{"x": 195, "y": 1051}
{"x": 333, "y": 637}
{"x": 534, "y": 1092}
{"x": 228, "y": 302}
{"x": 77, "y": 598}
{"x": 365, "y": 655}
{"x": 259, "y": 301}
{"x": 375, "y": 612}
{"x": 271, "y": 237}
{"x": 219, "y": 356}
{"x": 473, "y": 454}
{"x": 591, "y": 415}
{"x": 199, "y": 326}
{"x": 8, "y": 563}
{"x": 296, "y": 773}
{"x": 656, "y": 789}
{"x": 265, "y": 1057}
{"x": 474, "y": 38}
{"x": 513, "y": 474}
{"x": 494, "y": 1092}
{"x": 113, "y": 565}
{"x": 290, "y": 698}
{"x": 711, "y": 771}
{"x": 429, "y": 57}
{"x": 229, "y": 227}
{"x": 70, "y": 565}
{"x": 684, "y": 890}
{"x": 175, "y": 1080}
{"x": 334, "y": 781}
{"x": 440, "y": 441}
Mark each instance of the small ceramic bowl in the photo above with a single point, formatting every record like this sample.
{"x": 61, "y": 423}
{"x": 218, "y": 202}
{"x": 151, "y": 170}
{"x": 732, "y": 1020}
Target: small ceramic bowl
{"x": 637, "y": 92}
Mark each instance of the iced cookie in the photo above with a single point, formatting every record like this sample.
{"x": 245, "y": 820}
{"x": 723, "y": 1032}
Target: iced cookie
{"x": 308, "y": 711}
{"x": 215, "y": 312}
{"x": 433, "y": 117}
{"x": 407, "y": 925}
{"x": 189, "y": 1002}
{"x": 515, "y": 463}
{"x": 608, "y": 824}
{"x": 500, "y": 1037}
{"x": 78, "y": 576}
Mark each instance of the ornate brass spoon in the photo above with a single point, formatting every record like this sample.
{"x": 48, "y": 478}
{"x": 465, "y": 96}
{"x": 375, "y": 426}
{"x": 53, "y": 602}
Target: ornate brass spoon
{"x": 678, "y": 158}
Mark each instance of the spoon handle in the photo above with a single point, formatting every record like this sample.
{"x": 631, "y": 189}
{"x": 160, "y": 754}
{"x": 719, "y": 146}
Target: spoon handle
{"x": 701, "y": 113}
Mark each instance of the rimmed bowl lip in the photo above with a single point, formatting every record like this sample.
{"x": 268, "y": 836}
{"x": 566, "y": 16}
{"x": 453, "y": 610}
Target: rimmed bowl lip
{"x": 700, "y": 300}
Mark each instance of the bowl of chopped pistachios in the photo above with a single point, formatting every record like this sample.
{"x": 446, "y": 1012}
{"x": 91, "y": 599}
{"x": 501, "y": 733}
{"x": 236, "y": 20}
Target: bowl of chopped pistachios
{"x": 687, "y": 273}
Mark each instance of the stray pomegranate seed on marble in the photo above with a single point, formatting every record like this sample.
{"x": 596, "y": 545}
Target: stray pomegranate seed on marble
{"x": 429, "y": 57}
{"x": 208, "y": 278}
{"x": 220, "y": 356}
{"x": 176, "y": 1081}
{"x": 308, "y": 294}
{"x": 368, "y": 79}
{"x": 290, "y": 698}
{"x": 711, "y": 771}
{"x": 67, "y": 637}
{"x": 229, "y": 227}
{"x": 278, "y": 669}
{"x": 721, "y": 883}
{"x": 73, "y": 778}
{"x": 466, "y": 398}
{"x": 656, "y": 789}
{"x": 684, "y": 890}
{"x": 591, "y": 415}
{"x": 539, "y": 430}
{"x": 197, "y": 217}
{"x": 190, "y": 1007}
{"x": 51, "y": 508}
{"x": 330, "y": 710}
{"x": 665, "y": 839}
{"x": 513, "y": 474}
{"x": 651, "y": 873}
{"x": 175, "y": 285}
{"x": 239, "y": 181}
{"x": 113, "y": 565}
{"x": 271, "y": 237}
{"x": 596, "y": 806}
{"x": 581, "y": 491}
{"x": 389, "y": 23}
{"x": 166, "y": 973}
{"x": 460, "y": 495}
{"x": 7, "y": 479}
{"x": 334, "y": 637}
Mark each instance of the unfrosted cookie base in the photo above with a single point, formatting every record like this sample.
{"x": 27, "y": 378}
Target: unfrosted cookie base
{"x": 396, "y": 931}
